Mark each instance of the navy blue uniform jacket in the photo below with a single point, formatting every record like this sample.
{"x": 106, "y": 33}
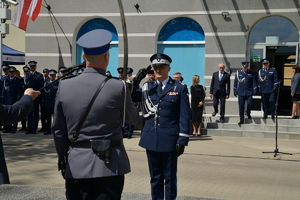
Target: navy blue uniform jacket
{"x": 248, "y": 85}
{"x": 267, "y": 80}
{"x": 10, "y": 114}
{"x": 173, "y": 117}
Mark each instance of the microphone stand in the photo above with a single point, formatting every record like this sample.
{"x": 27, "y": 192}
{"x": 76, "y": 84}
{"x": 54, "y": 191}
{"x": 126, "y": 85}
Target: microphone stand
{"x": 276, "y": 151}
{"x": 67, "y": 73}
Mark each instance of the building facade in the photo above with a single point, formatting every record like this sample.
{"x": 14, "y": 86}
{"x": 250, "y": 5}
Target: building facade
{"x": 196, "y": 34}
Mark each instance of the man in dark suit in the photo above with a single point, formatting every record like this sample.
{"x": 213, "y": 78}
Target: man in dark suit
{"x": 167, "y": 126}
{"x": 220, "y": 90}
{"x": 92, "y": 173}
{"x": 10, "y": 114}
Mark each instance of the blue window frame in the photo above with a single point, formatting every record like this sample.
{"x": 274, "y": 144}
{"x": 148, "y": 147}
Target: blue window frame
{"x": 279, "y": 28}
{"x": 183, "y": 40}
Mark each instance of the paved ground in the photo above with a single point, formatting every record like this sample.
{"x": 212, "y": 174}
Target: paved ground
{"x": 212, "y": 167}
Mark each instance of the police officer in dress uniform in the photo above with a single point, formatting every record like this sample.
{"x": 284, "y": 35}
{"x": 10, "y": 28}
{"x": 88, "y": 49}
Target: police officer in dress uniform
{"x": 120, "y": 72}
{"x": 128, "y": 129}
{"x": 35, "y": 81}
{"x": 49, "y": 99}
{"x": 12, "y": 93}
{"x": 42, "y": 102}
{"x": 26, "y": 70}
{"x": 268, "y": 85}
{"x": 167, "y": 127}
{"x": 5, "y": 75}
{"x": 245, "y": 86}
{"x": 89, "y": 175}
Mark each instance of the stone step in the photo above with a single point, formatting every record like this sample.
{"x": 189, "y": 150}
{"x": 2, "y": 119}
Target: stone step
{"x": 251, "y": 133}
{"x": 256, "y": 127}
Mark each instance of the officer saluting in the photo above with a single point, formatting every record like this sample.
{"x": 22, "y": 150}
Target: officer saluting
{"x": 268, "y": 85}
{"x": 167, "y": 127}
{"x": 244, "y": 86}
{"x": 35, "y": 81}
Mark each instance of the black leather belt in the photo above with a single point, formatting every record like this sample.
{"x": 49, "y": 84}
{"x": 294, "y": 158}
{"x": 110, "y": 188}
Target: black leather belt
{"x": 87, "y": 144}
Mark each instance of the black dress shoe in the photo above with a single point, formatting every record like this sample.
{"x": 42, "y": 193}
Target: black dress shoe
{"x": 249, "y": 117}
{"x": 23, "y": 129}
{"x": 13, "y": 131}
{"x": 6, "y": 131}
{"x": 213, "y": 114}
{"x": 47, "y": 133}
{"x": 240, "y": 122}
{"x": 28, "y": 132}
{"x": 265, "y": 117}
{"x": 273, "y": 117}
{"x": 222, "y": 121}
{"x": 42, "y": 130}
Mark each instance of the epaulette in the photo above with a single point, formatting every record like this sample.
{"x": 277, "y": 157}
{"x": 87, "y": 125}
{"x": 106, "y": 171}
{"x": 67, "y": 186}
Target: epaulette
{"x": 67, "y": 77}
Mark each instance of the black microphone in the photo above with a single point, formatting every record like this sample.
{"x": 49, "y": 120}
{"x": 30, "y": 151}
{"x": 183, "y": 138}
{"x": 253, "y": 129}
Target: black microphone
{"x": 74, "y": 67}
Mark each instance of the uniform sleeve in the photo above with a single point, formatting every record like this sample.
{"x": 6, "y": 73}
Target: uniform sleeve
{"x": 185, "y": 115}
{"x": 211, "y": 85}
{"x": 59, "y": 129}
{"x": 131, "y": 111}
{"x": 228, "y": 85}
{"x": 254, "y": 84}
{"x": 235, "y": 84}
{"x": 10, "y": 114}
{"x": 275, "y": 79}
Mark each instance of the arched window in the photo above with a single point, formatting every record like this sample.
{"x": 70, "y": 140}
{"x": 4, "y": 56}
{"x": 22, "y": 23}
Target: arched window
{"x": 100, "y": 23}
{"x": 274, "y": 29}
{"x": 183, "y": 40}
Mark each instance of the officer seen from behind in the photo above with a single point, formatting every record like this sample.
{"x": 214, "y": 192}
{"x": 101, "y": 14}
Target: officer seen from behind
{"x": 244, "y": 86}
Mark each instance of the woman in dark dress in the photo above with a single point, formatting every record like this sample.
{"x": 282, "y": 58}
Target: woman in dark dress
{"x": 197, "y": 102}
{"x": 295, "y": 92}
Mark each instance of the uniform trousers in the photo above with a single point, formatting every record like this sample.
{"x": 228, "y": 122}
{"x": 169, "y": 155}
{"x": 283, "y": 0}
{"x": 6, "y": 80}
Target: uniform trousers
{"x": 222, "y": 98}
{"x": 241, "y": 101}
{"x": 43, "y": 117}
{"x": 268, "y": 99}
{"x": 49, "y": 112}
{"x": 163, "y": 169}
{"x": 33, "y": 117}
{"x": 3, "y": 169}
{"x": 103, "y": 188}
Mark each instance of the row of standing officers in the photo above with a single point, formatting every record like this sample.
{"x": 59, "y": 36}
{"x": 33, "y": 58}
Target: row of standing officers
{"x": 12, "y": 87}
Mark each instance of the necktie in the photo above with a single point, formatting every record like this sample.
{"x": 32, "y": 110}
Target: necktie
{"x": 220, "y": 76}
{"x": 160, "y": 88}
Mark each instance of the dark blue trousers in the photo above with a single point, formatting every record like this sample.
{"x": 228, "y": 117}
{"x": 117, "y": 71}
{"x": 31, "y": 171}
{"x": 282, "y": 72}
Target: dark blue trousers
{"x": 163, "y": 169}
{"x": 3, "y": 169}
{"x": 222, "y": 98}
{"x": 268, "y": 99}
{"x": 241, "y": 101}
{"x": 33, "y": 117}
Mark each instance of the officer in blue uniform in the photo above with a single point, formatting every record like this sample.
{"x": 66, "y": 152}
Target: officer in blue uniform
{"x": 26, "y": 70}
{"x": 128, "y": 129}
{"x": 11, "y": 93}
{"x": 245, "y": 86}
{"x": 268, "y": 85}
{"x": 42, "y": 102}
{"x": 49, "y": 99}
{"x": 120, "y": 72}
{"x": 5, "y": 75}
{"x": 35, "y": 81}
{"x": 167, "y": 127}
